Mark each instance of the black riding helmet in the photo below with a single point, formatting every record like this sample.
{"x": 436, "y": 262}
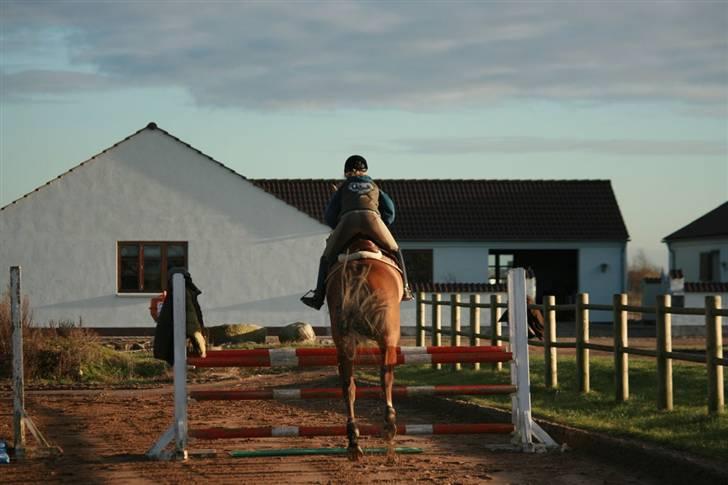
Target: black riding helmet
{"x": 355, "y": 162}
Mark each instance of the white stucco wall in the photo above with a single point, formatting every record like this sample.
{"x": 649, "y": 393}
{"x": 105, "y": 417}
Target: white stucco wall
{"x": 697, "y": 300}
{"x": 251, "y": 254}
{"x": 601, "y": 285}
{"x": 686, "y": 256}
{"x": 468, "y": 262}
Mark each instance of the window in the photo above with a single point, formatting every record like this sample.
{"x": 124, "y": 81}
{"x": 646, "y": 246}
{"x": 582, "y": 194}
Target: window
{"x": 143, "y": 266}
{"x": 709, "y": 269}
{"x": 419, "y": 265}
{"x": 498, "y": 265}
{"x": 677, "y": 301}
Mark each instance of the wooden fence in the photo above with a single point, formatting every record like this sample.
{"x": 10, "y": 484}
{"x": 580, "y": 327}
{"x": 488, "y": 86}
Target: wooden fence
{"x": 713, "y": 356}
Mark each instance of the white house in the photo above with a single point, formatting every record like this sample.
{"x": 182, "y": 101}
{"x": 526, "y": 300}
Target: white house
{"x": 699, "y": 264}
{"x": 700, "y": 249}
{"x": 96, "y": 242}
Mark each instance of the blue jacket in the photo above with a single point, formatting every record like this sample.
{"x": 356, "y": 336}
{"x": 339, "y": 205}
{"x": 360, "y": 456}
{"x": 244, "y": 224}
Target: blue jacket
{"x": 333, "y": 207}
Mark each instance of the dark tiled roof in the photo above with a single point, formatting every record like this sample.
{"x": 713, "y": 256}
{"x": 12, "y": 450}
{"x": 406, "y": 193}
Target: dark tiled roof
{"x": 652, "y": 281}
{"x": 706, "y": 287}
{"x": 480, "y": 210}
{"x": 712, "y": 224}
{"x": 459, "y": 288}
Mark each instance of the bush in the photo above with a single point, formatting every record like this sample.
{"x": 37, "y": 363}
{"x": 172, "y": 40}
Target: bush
{"x": 6, "y": 331}
{"x": 65, "y": 352}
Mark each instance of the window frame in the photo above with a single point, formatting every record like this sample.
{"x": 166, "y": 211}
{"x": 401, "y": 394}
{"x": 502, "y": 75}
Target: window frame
{"x": 140, "y": 262}
{"x": 709, "y": 266}
{"x": 497, "y": 253}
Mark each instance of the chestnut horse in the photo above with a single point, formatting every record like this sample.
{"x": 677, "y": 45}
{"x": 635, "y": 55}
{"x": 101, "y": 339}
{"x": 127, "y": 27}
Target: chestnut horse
{"x": 364, "y": 293}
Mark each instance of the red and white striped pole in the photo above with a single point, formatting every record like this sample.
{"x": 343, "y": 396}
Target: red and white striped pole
{"x": 287, "y": 357}
{"x": 402, "y": 429}
{"x": 361, "y": 392}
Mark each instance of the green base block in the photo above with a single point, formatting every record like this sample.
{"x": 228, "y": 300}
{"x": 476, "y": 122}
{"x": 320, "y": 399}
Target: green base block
{"x": 317, "y": 451}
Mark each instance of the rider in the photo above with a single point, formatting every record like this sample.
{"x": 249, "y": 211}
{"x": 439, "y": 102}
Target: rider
{"x": 357, "y": 207}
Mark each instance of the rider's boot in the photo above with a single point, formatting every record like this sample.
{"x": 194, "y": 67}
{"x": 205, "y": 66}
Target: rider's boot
{"x": 406, "y": 291}
{"x": 316, "y": 300}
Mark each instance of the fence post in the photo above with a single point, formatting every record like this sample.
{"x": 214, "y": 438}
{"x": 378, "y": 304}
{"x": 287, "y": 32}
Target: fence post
{"x": 551, "y": 378}
{"x": 436, "y": 325}
{"x": 582, "y": 338}
{"x": 664, "y": 345}
{"x": 455, "y": 325}
{"x": 420, "y": 320}
{"x": 475, "y": 325}
{"x": 714, "y": 350}
{"x": 495, "y": 326}
{"x": 18, "y": 377}
{"x": 621, "y": 358}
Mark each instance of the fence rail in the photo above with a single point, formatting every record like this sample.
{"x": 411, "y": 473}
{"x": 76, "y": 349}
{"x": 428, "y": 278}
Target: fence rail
{"x": 663, "y": 353}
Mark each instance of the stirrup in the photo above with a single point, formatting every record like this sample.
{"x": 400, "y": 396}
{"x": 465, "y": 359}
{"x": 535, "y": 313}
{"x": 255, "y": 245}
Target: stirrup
{"x": 315, "y": 301}
{"x": 407, "y": 294}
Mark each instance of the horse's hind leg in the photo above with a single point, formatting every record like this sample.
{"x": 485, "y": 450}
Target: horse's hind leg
{"x": 348, "y": 386}
{"x": 387, "y": 380}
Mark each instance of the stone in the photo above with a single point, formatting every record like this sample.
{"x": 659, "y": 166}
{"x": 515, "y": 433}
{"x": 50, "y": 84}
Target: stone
{"x": 237, "y": 333}
{"x": 297, "y": 333}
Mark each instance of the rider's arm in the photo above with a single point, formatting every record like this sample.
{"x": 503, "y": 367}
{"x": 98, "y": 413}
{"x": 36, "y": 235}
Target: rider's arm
{"x": 386, "y": 208}
{"x": 333, "y": 208}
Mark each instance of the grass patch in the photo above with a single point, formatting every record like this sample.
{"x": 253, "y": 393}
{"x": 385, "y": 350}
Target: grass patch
{"x": 113, "y": 367}
{"x": 688, "y": 427}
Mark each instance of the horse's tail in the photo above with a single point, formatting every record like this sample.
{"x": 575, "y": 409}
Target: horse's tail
{"x": 362, "y": 313}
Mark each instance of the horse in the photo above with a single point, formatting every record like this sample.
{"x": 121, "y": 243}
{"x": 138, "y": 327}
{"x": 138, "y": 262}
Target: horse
{"x": 364, "y": 290}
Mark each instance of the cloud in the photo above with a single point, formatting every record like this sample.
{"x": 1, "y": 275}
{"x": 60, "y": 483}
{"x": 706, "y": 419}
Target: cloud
{"x": 529, "y": 144}
{"x": 410, "y": 55}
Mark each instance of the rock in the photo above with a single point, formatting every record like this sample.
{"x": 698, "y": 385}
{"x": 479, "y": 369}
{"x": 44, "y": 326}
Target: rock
{"x": 137, "y": 346}
{"x": 299, "y": 333}
{"x": 236, "y": 333}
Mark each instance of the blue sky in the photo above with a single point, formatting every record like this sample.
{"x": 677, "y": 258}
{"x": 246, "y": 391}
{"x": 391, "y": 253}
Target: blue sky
{"x": 631, "y": 91}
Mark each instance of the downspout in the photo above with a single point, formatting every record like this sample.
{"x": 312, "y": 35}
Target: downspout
{"x": 623, "y": 267}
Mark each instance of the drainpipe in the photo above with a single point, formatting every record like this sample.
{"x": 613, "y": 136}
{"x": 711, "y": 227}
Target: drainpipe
{"x": 623, "y": 267}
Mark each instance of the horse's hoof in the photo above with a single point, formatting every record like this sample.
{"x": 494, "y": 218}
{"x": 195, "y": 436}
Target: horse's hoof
{"x": 389, "y": 431}
{"x": 391, "y": 455}
{"x": 355, "y": 453}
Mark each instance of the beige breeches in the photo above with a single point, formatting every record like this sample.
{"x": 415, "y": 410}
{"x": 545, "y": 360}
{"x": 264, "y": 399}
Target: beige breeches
{"x": 365, "y": 222}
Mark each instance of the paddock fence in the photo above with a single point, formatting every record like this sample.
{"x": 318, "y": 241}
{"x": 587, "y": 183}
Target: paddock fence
{"x": 620, "y": 348}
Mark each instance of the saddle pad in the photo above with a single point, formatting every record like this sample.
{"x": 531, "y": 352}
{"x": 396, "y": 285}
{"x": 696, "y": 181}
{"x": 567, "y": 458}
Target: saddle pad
{"x": 346, "y": 257}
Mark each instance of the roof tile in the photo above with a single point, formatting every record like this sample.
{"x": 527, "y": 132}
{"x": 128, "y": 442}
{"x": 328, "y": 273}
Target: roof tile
{"x": 480, "y": 210}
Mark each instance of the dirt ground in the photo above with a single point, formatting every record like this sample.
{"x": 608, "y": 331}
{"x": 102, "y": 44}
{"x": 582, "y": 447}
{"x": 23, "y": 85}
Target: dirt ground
{"x": 106, "y": 433}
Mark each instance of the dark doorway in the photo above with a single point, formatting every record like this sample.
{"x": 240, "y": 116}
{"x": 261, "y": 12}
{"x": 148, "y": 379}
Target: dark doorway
{"x": 556, "y": 270}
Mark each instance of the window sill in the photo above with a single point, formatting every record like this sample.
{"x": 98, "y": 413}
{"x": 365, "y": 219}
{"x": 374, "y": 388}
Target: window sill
{"x": 138, "y": 295}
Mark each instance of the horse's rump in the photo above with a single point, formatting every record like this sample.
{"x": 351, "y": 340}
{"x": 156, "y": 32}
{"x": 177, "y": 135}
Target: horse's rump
{"x": 364, "y": 296}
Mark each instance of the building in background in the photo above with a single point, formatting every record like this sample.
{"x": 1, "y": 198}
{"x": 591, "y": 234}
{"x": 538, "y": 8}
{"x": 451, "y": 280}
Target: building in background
{"x": 698, "y": 258}
{"x": 569, "y": 232}
{"x": 97, "y": 242}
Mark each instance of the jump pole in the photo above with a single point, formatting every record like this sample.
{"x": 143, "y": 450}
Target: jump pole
{"x": 400, "y": 450}
{"x": 178, "y": 430}
{"x": 21, "y": 419}
{"x": 372, "y": 392}
{"x": 525, "y": 428}
{"x": 288, "y": 358}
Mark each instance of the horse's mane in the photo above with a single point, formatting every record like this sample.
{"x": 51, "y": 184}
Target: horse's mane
{"x": 362, "y": 311}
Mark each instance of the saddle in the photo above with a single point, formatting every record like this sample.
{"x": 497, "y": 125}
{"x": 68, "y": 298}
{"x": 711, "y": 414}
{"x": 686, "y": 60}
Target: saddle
{"x": 362, "y": 248}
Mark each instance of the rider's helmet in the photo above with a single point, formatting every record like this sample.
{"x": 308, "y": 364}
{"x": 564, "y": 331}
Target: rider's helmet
{"x": 355, "y": 162}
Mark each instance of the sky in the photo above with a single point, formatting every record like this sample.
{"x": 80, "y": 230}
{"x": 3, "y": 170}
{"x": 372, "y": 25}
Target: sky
{"x": 635, "y": 92}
